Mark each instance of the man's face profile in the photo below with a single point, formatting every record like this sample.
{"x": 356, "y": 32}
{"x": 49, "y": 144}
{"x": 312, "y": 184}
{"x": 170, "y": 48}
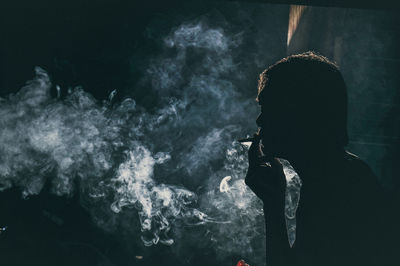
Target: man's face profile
{"x": 274, "y": 128}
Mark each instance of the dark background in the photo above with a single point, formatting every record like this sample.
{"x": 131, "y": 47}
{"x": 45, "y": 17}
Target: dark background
{"x": 105, "y": 45}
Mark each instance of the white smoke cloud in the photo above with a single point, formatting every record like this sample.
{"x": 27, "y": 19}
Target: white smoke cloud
{"x": 164, "y": 165}
{"x": 217, "y": 112}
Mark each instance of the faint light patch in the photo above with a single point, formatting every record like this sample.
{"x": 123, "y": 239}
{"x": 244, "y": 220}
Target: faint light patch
{"x": 3, "y": 229}
{"x": 295, "y": 14}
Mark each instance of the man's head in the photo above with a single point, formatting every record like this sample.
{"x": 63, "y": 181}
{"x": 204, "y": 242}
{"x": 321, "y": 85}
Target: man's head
{"x": 303, "y": 103}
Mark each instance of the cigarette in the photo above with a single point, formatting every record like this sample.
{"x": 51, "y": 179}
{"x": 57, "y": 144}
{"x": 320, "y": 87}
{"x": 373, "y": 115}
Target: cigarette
{"x": 246, "y": 140}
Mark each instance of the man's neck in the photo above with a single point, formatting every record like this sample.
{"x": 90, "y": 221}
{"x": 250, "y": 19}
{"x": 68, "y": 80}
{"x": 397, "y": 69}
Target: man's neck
{"x": 314, "y": 162}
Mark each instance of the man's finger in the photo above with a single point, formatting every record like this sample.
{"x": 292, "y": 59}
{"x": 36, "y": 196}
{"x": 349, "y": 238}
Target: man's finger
{"x": 277, "y": 165}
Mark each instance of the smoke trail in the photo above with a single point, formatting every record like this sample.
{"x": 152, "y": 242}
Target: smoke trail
{"x": 164, "y": 165}
{"x": 198, "y": 66}
{"x": 46, "y": 139}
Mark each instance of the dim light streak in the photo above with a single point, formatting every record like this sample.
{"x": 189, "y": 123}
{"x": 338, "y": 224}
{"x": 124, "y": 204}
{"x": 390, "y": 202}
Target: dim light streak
{"x": 295, "y": 14}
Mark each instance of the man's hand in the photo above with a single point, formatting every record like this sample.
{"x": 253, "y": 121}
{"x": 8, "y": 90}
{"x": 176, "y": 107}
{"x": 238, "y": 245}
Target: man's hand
{"x": 254, "y": 154}
{"x": 268, "y": 182}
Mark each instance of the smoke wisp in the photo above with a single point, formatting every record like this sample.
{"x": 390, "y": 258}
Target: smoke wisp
{"x": 164, "y": 165}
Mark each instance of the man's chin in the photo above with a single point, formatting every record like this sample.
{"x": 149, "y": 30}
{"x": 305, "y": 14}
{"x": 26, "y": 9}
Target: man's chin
{"x": 271, "y": 152}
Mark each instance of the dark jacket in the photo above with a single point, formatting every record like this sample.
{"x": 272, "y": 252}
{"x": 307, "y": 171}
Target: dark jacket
{"x": 343, "y": 218}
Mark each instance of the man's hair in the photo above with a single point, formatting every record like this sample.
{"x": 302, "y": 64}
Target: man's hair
{"x": 311, "y": 89}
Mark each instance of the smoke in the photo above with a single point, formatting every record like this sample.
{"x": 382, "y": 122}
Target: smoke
{"x": 198, "y": 64}
{"x": 163, "y": 166}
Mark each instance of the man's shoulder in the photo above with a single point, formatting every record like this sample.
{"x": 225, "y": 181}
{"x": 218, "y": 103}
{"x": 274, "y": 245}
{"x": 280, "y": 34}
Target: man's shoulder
{"x": 350, "y": 156}
{"x": 359, "y": 174}
{"x": 359, "y": 167}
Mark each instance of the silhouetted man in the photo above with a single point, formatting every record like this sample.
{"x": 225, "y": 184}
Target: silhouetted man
{"x": 341, "y": 217}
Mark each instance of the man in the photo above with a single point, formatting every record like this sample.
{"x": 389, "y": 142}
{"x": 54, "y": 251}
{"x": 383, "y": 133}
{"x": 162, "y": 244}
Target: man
{"x": 340, "y": 217}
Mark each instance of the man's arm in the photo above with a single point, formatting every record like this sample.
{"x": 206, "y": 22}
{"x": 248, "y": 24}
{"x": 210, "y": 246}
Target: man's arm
{"x": 269, "y": 184}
